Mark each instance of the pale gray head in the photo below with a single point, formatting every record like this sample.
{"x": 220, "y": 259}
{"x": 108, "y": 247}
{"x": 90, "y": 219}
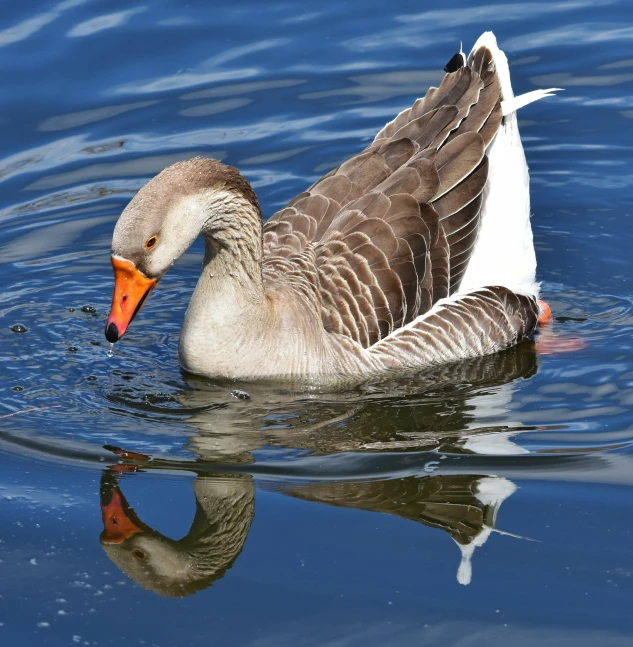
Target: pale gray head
{"x": 165, "y": 218}
{"x": 186, "y": 199}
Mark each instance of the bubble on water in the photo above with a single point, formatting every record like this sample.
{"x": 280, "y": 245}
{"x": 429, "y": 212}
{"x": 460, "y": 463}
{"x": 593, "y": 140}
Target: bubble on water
{"x": 19, "y": 328}
{"x": 73, "y": 349}
{"x": 88, "y": 309}
{"x": 17, "y": 388}
{"x": 110, "y": 351}
{"x": 240, "y": 395}
{"x": 71, "y": 310}
{"x": 91, "y": 378}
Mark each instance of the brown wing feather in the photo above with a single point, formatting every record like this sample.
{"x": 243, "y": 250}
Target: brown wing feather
{"x": 391, "y": 231}
{"x": 479, "y": 323}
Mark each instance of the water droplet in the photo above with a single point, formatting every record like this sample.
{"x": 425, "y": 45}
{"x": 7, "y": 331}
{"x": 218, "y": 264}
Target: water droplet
{"x": 88, "y": 309}
{"x": 110, "y": 352}
{"x": 71, "y": 309}
{"x": 240, "y": 395}
{"x": 19, "y": 328}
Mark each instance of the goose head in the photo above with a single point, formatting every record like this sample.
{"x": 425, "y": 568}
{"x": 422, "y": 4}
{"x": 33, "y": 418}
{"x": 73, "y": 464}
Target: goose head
{"x": 163, "y": 220}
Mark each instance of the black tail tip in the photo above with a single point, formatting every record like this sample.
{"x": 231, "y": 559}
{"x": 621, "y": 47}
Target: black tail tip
{"x": 112, "y": 332}
{"x": 456, "y": 63}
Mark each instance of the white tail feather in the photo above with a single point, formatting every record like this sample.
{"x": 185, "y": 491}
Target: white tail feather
{"x": 504, "y": 250}
{"x": 512, "y": 105}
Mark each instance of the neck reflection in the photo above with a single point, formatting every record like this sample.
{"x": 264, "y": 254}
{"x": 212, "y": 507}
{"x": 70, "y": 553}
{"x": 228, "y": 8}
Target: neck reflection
{"x": 225, "y": 506}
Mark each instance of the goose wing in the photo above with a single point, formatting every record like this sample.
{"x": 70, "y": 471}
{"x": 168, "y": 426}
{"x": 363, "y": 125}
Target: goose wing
{"x": 390, "y": 232}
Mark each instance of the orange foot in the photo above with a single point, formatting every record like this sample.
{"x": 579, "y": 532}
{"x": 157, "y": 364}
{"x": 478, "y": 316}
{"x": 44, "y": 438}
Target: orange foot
{"x": 125, "y": 454}
{"x": 550, "y": 342}
{"x": 124, "y": 468}
{"x": 545, "y": 313}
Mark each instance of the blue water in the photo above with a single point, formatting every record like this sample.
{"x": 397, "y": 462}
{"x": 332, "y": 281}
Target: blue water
{"x": 292, "y": 518}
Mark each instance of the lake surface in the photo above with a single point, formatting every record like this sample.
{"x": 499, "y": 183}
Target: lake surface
{"x": 487, "y": 503}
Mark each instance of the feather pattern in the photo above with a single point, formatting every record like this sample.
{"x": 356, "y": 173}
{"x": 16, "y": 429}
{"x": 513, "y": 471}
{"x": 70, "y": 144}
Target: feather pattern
{"x": 391, "y": 231}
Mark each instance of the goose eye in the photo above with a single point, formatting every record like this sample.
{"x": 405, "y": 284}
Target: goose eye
{"x": 139, "y": 554}
{"x": 150, "y": 242}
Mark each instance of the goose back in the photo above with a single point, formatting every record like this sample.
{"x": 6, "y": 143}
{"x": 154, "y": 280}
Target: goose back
{"x": 380, "y": 240}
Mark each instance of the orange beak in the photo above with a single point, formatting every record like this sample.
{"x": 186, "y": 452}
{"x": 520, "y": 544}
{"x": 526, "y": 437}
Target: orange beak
{"x": 119, "y": 520}
{"x": 131, "y": 288}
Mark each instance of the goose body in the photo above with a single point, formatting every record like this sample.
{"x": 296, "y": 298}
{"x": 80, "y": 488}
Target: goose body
{"x": 415, "y": 252}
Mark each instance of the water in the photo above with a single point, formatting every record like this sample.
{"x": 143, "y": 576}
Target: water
{"x": 487, "y": 503}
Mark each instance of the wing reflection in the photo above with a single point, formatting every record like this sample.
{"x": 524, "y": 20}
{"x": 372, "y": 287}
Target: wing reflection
{"x": 452, "y": 410}
{"x": 465, "y": 506}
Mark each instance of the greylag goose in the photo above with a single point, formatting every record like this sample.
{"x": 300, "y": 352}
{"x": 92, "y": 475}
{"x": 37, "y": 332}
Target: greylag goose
{"x": 415, "y": 252}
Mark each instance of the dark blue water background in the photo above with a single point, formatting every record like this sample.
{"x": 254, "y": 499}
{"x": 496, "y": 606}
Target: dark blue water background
{"x": 318, "y": 519}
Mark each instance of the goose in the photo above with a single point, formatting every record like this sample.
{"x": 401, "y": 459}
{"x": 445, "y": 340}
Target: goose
{"x": 415, "y": 252}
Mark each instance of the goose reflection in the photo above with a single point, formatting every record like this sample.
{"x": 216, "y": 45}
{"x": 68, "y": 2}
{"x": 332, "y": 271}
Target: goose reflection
{"x": 453, "y": 409}
{"x": 225, "y": 506}
{"x": 464, "y": 506}
{"x": 442, "y": 412}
